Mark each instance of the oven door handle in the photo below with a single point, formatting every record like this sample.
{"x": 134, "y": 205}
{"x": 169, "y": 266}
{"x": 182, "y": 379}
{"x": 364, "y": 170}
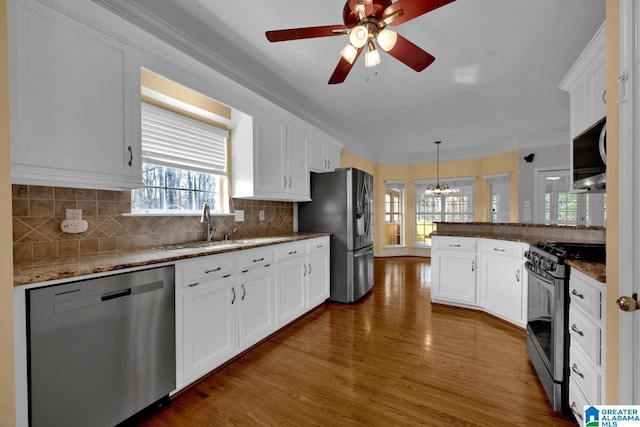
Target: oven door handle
{"x": 545, "y": 281}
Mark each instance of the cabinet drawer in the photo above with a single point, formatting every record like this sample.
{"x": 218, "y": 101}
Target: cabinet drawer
{"x": 586, "y": 334}
{"x": 585, "y": 373}
{"x": 291, "y": 250}
{"x": 503, "y": 249}
{"x": 254, "y": 258}
{"x": 577, "y": 401}
{"x": 462, "y": 244}
{"x": 585, "y": 295}
{"x": 208, "y": 267}
{"x": 318, "y": 245}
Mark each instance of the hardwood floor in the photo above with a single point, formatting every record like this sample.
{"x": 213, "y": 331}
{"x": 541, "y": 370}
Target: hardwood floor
{"x": 390, "y": 359}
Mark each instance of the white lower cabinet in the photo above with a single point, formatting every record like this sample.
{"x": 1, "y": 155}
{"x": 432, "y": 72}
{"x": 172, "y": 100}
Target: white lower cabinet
{"x": 454, "y": 267}
{"x": 586, "y": 345}
{"x": 486, "y": 274}
{"x": 503, "y": 281}
{"x": 255, "y": 306}
{"x": 227, "y": 303}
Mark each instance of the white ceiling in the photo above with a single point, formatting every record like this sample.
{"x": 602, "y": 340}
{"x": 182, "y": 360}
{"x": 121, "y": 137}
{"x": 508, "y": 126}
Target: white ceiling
{"x": 493, "y": 87}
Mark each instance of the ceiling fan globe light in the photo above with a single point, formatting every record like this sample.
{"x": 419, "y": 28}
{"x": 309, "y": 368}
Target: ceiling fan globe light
{"x": 349, "y": 53}
{"x": 359, "y": 36}
{"x": 372, "y": 58}
{"x": 387, "y": 39}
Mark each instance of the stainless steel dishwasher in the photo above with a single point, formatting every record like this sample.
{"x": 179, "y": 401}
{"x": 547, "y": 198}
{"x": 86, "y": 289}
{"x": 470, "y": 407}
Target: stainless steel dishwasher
{"x": 101, "y": 350}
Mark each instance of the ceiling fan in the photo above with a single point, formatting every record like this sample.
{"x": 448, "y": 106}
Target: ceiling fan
{"x": 364, "y": 22}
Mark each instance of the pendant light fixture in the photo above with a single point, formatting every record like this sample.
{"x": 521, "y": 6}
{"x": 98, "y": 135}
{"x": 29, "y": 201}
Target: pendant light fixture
{"x": 439, "y": 189}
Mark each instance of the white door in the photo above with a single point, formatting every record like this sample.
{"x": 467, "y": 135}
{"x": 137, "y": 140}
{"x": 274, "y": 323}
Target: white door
{"x": 256, "y": 306}
{"x": 290, "y": 300}
{"x": 629, "y": 234}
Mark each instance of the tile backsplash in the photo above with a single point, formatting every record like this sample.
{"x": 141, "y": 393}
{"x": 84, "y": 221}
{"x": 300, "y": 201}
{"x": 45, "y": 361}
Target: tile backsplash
{"x": 38, "y": 212}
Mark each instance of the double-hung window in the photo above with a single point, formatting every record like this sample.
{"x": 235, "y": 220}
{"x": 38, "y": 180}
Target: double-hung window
{"x": 394, "y": 213}
{"x": 184, "y": 163}
{"x": 499, "y": 197}
{"x": 452, "y": 207}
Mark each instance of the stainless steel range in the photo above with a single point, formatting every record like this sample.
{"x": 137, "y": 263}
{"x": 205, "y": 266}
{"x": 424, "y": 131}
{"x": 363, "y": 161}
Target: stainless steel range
{"x": 548, "y": 312}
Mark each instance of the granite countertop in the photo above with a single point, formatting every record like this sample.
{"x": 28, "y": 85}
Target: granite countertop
{"x": 597, "y": 270}
{"x": 63, "y": 268}
{"x": 530, "y": 239}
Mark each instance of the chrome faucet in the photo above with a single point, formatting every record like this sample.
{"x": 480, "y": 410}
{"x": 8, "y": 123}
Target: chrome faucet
{"x": 210, "y": 222}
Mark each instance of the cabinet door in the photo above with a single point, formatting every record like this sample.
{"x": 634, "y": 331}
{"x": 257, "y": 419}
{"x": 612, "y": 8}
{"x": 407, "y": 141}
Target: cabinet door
{"x": 291, "y": 301}
{"x": 454, "y": 277}
{"x": 255, "y": 292}
{"x": 317, "y": 157}
{"x": 209, "y": 326}
{"x": 74, "y": 102}
{"x": 597, "y": 81}
{"x": 270, "y": 155}
{"x": 502, "y": 286}
{"x": 297, "y": 171}
{"x": 317, "y": 278}
{"x": 333, "y": 157}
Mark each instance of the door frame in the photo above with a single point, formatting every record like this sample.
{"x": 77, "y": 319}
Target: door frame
{"x": 628, "y": 246}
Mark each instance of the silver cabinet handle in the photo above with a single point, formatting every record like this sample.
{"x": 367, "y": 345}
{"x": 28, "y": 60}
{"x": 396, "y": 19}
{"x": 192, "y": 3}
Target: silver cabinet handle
{"x": 473, "y": 265}
{"x": 454, "y": 246}
{"x": 575, "y": 292}
{"x": 194, "y": 284}
{"x": 233, "y": 290}
{"x": 329, "y": 164}
{"x": 285, "y": 182}
{"x": 244, "y": 292}
{"x": 518, "y": 276}
{"x": 213, "y": 271}
{"x": 289, "y": 182}
{"x": 293, "y": 252}
{"x": 258, "y": 259}
{"x": 575, "y": 369}
{"x": 304, "y": 271}
{"x": 575, "y": 329}
{"x": 499, "y": 250}
{"x": 325, "y": 164}
{"x": 309, "y": 269}
{"x": 320, "y": 246}
{"x": 130, "y": 162}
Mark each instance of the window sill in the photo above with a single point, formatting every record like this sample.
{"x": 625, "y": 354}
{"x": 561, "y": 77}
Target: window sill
{"x": 394, "y": 247}
{"x": 173, "y": 213}
{"x": 421, "y": 247}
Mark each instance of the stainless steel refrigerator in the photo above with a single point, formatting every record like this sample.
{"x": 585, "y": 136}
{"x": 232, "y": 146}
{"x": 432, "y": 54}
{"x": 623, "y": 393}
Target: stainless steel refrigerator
{"x": 342, "y": 204}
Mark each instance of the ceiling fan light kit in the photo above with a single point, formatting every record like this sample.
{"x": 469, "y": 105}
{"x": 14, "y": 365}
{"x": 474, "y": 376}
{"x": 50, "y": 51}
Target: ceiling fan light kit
{"x": 366, "y": 21}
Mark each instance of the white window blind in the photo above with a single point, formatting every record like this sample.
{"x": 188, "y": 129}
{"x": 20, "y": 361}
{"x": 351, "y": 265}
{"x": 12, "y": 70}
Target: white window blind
{"x": 174, "y": 140}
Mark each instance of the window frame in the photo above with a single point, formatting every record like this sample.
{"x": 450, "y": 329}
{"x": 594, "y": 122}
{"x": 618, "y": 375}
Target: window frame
{"x": 394, "y": 216}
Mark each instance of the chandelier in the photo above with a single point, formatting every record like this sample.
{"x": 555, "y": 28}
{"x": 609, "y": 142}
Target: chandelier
{"x": 439, "y": 188}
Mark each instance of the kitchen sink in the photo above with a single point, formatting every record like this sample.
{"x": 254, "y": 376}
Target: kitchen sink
{"x": 214, "y": 244}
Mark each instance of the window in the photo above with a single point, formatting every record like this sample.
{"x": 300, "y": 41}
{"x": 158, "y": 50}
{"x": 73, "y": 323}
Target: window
{"x": 393, "y": 213}
{"x": 184, "y": 163}
{"x": 557, "y": 205}
{"x": 499, "y": 191}
{"x": 453, "y": 207}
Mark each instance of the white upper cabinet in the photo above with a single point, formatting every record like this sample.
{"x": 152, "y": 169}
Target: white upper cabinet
{"x": 586, "y": 85}
{"x": 74, "y": 97}
{"x": 270, "y": 163}
{"x": 324, "y": 155}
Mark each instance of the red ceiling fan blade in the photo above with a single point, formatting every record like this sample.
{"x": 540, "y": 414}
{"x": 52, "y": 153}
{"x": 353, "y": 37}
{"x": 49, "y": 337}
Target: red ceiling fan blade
{"x": 304, "y": 33}
{"x": 368, "y": 7}
{"x": 412, "y": 9}
{"x": 342, "y": 70}
{"x": 410, "y": 54}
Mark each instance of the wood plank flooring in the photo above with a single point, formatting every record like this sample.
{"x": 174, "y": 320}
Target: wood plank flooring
{"x": 390, "y": 359}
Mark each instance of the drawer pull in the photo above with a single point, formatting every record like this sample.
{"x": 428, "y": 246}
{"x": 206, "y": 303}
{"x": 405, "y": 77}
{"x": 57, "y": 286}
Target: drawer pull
{"x": 293, "y": 252}
{"x": 320, "y": 246}
{"x": 212, "y": 271}
{"x": 226, "y": 275}
{"x": 454, "y": 246}
{"x": 576, "y": 293}
{"x": 194, "y": 284}
{"x": 259, "y": 259}
{"x": 574, "y": 408}
{"x": 244, "y": 271}
{"x": 575, "y": 329}
{"x": 499, "y": 250}
{"x": 575, "y": 369}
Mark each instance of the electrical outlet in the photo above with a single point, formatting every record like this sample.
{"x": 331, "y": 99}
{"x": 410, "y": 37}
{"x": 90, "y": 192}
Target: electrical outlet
{"x": 261, "y": 215}
{"x": 239, "y": 215}
{"x": 73, "y": 214}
